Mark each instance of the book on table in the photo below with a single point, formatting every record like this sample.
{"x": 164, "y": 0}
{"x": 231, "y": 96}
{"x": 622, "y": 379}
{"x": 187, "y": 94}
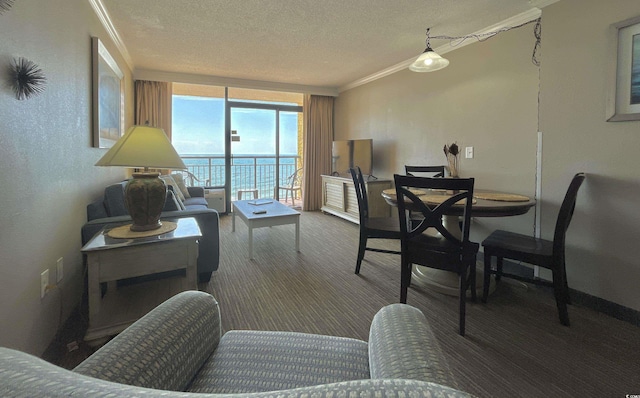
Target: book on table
{"x": 258, "y": 202}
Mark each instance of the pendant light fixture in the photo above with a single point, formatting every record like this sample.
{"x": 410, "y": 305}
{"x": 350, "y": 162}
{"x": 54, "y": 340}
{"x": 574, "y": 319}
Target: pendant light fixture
{"x": 429, "y": 60}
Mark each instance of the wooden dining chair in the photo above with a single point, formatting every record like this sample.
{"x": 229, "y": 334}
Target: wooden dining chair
{"x": 420, "y": 171}
{"x": 541, "y": 252}
{"x": 434, "y": 171}
{"x": 437, "y": 248}
{"x": 371, "y": 227}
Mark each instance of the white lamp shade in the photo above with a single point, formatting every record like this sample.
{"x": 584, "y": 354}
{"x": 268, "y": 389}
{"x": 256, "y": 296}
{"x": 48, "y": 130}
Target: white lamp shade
{"x": 143, "y": 147}
{"x": 429, "y": 61}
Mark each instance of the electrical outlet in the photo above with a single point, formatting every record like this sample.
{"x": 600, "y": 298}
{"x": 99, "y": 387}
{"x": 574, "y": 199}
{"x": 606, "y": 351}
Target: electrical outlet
{"x": 59, "y": 269}
{"x": 44, "y": 282}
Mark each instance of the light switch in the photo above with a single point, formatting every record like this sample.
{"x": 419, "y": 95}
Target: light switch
{"x": 468, "y": 152}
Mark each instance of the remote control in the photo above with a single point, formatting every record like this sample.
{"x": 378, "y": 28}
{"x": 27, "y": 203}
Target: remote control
{"x": 259, "y": 211}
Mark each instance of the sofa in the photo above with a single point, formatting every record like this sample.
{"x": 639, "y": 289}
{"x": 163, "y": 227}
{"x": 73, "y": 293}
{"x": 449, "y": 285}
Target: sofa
{"x": 111, "y": 211}
{"x": 179, "y": 348}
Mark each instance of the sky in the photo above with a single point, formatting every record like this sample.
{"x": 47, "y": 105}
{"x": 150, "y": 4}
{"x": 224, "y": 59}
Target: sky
{"x": 198, "y": 128}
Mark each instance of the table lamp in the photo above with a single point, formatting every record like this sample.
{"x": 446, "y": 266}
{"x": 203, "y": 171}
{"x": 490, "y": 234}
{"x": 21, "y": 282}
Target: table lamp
{"x": 144, "y": 147}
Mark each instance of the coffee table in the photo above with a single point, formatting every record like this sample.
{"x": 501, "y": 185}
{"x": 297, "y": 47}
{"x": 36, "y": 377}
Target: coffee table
{"x": 275, "y": 213}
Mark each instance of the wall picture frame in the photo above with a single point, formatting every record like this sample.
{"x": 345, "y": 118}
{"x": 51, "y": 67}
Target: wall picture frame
{"x": 107, "y": 97}
{"x": 623, "y": 102}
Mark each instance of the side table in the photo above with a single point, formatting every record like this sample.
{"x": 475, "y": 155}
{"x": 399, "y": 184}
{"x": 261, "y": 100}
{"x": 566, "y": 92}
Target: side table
{"x": 110, "y": 259}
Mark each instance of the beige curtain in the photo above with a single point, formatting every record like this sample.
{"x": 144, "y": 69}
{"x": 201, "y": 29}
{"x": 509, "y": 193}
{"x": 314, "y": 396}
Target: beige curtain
{"x": 318, "y": 136}
{"x": 153, "y": 104}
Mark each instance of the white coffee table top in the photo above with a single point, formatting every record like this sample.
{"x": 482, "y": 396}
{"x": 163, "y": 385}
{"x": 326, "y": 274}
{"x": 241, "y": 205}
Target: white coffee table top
{"x": 272, "y": 207}
{"x": 260, "y": 213}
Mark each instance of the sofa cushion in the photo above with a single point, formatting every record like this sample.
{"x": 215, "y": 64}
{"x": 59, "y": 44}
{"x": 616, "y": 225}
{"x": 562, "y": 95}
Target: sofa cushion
{"x": 179, "y": 179}
{"x": 96, "y": 210}
{"x": 255, "y": 361}
{"x": 195, "y": 203}
{"x": 114, "y": 200}
{"x": 196, "y": 191}
{"x": 172, "y": 183}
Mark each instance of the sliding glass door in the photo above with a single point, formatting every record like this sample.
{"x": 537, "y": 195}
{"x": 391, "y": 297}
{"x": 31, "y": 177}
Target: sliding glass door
{"x": 265, "y": 148}
{"x": 253, "y": 159}
{"x": 246, "y": 141}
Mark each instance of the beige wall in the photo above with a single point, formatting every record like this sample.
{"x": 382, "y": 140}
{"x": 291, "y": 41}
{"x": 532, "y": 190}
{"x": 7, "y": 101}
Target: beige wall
{"x": 488, "y": 98}
{"x": 47, "y": 162}
{"x": 601, "y": 258}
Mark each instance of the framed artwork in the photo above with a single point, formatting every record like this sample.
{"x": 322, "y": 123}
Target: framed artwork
{"x": 107, "y": 97}
{"x": 623, "y": 103}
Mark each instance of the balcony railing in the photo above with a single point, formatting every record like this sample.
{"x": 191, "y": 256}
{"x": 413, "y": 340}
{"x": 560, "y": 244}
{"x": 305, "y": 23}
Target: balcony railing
{"x": 247, "y": 172}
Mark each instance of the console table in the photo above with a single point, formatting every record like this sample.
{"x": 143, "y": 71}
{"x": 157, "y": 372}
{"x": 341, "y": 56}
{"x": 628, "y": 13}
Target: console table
{"x": 110, "y": 259}
{"x": 339, "y": 198}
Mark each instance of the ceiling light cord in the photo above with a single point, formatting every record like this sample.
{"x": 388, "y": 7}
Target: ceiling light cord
{"x": 483, "y": 36}
{"x": 418, "y": 65}
{"x": 537, "y": 33}
{"x": 457, "y": 40}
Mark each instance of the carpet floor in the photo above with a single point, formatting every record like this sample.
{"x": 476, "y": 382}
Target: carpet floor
{"x": 514, "y": 346}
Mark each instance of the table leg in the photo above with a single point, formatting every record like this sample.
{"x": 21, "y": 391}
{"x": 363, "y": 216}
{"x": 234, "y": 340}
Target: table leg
{"x": 192, "y": 263}
{"x": 93, "y": 283}
{"x": 298, "y": 234}
{"x": 250, "y": 241}
{"x": 447, "y": 282}
{"x": 233, "y": 218}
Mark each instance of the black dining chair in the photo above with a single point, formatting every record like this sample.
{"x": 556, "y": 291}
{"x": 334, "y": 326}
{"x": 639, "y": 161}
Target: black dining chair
{"x": 420, "y": 171}
{"x": 435, "y": 171}
{"x": 441, "y": 250}
{"x": 541, "y": 252}
{"x": 371, "y": 227}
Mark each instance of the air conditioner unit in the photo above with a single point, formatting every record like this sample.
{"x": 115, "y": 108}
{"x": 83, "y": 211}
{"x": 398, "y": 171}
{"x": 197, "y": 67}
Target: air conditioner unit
{"x": 215, "y": 199}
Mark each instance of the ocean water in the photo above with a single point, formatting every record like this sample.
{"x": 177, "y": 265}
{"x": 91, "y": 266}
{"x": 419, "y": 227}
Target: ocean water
{"x": 247, "y": 171}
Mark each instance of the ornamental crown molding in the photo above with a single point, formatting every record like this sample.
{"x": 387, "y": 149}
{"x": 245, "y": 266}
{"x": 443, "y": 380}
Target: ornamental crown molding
{"x": 105, "y": 20}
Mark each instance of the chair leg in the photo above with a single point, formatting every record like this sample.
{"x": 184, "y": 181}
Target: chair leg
{"x": 566, "y": 283}
{"x": 561, "y": 296}
{"x": 462, "y": 303}
{"x": 361, "y": 248}
{"x": 498, "y": 268}
{"x": 487, "y": 275}
{"x": 405, "y": 281}
{"x": 472, "y": 279}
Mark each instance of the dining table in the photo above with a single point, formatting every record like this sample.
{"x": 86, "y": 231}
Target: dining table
{"x": 486, "y": 203}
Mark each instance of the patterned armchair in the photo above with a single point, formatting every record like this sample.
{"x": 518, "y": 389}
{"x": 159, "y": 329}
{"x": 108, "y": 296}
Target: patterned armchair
{"x": 178, "y": 348}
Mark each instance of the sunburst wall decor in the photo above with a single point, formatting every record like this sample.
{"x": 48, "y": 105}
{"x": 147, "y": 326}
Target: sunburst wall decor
{"x": 27, "y": 78}
{"x": 5, "y": 5}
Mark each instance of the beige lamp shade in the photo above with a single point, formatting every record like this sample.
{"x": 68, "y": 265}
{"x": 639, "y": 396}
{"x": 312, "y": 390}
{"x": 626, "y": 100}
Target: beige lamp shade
{"x": 143, "y": 147}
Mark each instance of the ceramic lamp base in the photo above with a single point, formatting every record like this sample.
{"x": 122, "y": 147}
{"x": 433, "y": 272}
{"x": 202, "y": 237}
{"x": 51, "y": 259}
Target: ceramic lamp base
{"x": 144, "y": 196}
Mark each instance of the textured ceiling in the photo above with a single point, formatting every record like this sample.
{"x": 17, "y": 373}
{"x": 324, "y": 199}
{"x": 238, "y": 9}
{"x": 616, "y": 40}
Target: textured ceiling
{"x": 321, "y": 43}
